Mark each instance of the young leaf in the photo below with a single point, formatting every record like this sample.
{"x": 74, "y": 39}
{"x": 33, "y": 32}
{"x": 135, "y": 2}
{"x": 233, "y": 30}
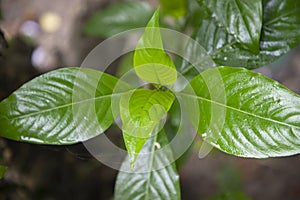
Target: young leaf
{"x": 246, "y": 114}
{"x": 141, "y": 111}
{"x": 149, "y": 180}
{"x": 118, "y": 18}
{"x": 240, "y": 18}
{"x": 280, "y": 33}
{"x": 2, "y": 171}
{"x": 151, "y": 62}
{"x": 64, "y": 106}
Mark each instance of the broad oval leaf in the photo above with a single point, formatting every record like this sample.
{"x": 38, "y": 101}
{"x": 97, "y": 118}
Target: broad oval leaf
{"x": 240, "y": 18}
{"x": 141, "y": 111}
{"x": 64, "y": 106}
{"x": 118, "y": 18}
{"x": 151, "y": 62}
{"x": 280, "y": 33}
{"x": 149, "y": 181}
{"x": 253, "y": 117}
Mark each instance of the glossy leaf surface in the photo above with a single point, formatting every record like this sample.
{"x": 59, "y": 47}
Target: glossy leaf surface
{"x": 242, "y": 19}
{"x": 64, "y": 106}
{"x": 118, "y": 18}
{"x": 149, "y": 180}
{"x": 246, "y": 114}
{"x": 151, "y": 62}
{"x": 280, "y": 33}
{"x": 141, "y": 111}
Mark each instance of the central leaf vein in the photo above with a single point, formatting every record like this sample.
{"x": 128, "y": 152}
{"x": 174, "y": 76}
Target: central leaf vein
{"x": 65, "y": 105}
{"x": 241, "y": 111}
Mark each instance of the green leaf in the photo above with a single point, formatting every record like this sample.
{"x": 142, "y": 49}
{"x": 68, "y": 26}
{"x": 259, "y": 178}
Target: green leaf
{"x": 194, "y": 13}
{"x": 280, "y": 33}
{"x": 118, "y": 18}
{"x": 64, "y": 106}
{"x": 151, "y": 63}
{"x": 150, "y": 178}
{"x": 2, "y": 171}
{"x": 175, "y": 8}
{"x": 245, "y": 114}
{"x": 125, "y": 64}
{"x": 141, "y": 111}
{"x": 196, "y": 59}
{"x": 177, "y": 131}
{"x": 281, "y": 28}
{"x": 240, "y": 18}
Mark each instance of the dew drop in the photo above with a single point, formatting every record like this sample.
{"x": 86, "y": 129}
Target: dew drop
{"x": 157, "y": 145}
{"x": 31, "y": 139}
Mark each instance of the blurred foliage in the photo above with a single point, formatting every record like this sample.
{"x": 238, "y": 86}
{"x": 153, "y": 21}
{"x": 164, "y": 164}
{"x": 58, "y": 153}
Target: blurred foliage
{"x": 118, "y": 18}
{"x": 230, "y": 196}
{"x": 175, "y": 8}
{"x": 2, "y": 170}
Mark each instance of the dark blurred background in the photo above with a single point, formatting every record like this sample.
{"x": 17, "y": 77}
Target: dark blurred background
{"x": 44, "y": 35}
